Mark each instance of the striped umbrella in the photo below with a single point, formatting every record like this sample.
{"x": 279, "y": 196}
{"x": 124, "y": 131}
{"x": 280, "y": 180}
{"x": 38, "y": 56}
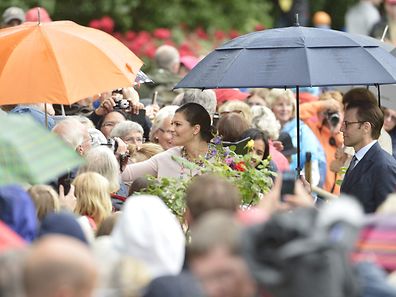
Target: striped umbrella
{"x": 30, "y": 154}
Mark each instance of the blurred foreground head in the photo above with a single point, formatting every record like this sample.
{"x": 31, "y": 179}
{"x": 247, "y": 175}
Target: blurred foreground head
{"x": 59, "y": 266}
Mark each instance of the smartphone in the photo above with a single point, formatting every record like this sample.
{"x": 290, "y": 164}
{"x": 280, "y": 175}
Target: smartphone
{"x": 288, "y": 183}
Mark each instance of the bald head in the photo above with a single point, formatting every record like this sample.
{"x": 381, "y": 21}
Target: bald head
{"x": 59, "y": 266}
{"x": 167, "y": 57}
{"x": 74, "y": 134}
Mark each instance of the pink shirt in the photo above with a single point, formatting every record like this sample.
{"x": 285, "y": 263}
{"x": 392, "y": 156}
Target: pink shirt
{"x": 160, "y": 165}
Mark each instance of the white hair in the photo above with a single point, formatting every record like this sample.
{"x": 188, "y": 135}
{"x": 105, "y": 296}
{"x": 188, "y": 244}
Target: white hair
{"x": 122, "y": 129}
{"x": 163, "y": 113}
{"x": 71, "y": 131}
{"x": 102, "y": 160}
{"x": 207, "y": 98}
{"x": 264, "y": 119}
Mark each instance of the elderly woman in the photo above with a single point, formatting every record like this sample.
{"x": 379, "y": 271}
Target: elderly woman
{"x": 282, "y": 103}
{"x": 130, "y": 132}
{"x": 161, "y": 130}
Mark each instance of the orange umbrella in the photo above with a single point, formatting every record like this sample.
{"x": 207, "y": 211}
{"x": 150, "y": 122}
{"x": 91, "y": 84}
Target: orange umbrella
{"x": 61, "y": 62}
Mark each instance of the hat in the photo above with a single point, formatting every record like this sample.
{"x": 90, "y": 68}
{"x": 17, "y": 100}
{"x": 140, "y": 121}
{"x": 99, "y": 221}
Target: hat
{"x": 13, "y": 13}
{"x": 32, "y": 15}
{"x": 288, "y": 147}
{"x": 189, "y": 61}
{"x": 223, "y": 95}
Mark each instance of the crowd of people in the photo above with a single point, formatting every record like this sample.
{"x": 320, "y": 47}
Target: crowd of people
{"x": 90, "y": 232}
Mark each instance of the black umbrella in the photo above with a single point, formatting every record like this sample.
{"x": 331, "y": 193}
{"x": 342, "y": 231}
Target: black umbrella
{"x": 294, "y": 57}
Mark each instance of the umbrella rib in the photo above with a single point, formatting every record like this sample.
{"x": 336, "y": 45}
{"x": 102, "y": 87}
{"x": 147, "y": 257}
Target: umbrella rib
{"x": 51, "y": 50}
{"x": 228, "y": 66}
{"x": 382, "y": 66}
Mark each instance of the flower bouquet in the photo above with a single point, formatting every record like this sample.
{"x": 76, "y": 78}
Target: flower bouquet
{"x": 252, "y": 177}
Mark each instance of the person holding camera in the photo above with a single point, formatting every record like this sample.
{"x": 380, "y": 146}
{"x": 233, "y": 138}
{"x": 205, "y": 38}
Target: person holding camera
{"x": 117, "y": 106}
{"x": 324, "y": 117}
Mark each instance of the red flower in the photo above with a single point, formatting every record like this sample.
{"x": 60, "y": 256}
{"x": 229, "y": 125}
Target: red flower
{"x": 149, "y": 50}
{"x": 219, "y": 35}
{"x": 130, "y": 35}
{"x": 107, "y": 24}
{"x": 234, "y": 34}
{"x": 94, "y": 24}
{"x": 240, "y": 166}
{"x": 259, "y": 27}
{"x": 186, "y": 50}
{"x": 162, "y": 33}
{"x": 201, "y": 33}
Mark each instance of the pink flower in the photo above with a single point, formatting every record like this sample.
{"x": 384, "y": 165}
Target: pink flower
{"x": 162, "y": 33}
{"x": 94, "y": 24}
{"x": 228, "y": 161}
{"x": 234, "y": 34}
{"x": 201, "y": 33}
{"x": 130, "y": 35}
{"x": 259, "y": 27}
{"x": 107, "y": 24}
{"x": 219, "y": 35}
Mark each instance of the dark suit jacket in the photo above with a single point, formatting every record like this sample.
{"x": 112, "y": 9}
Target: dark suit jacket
{"x": 372, "y": 179}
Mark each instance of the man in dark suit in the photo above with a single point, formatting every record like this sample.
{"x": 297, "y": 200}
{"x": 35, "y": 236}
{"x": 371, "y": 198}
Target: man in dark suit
{"x": 371, "y": 175}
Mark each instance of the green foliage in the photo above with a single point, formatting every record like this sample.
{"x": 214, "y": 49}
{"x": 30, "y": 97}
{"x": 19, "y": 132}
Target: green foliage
{"x": 239, "y": 170}
{"x": 147, "y": 15}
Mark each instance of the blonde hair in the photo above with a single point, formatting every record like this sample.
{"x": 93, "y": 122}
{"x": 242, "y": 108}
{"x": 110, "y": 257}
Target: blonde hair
{"x": 102, "y": 160}
{"x": 265, "y": 120}
{"x": 236, "y": 105}
{"x": 337, "y": 95}
{"x": 276, "y": 94}
{"x": 45, "y": 198}
{"x": 93, "y": 196}
{"x": 144, "y": 151}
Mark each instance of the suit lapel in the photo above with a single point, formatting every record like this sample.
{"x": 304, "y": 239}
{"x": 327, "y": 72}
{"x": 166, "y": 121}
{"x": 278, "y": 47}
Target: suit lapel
{"x": 362, "y": 166}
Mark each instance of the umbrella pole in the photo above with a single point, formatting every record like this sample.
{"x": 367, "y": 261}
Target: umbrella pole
{"x": 46, "y": 115}
{"x": 379, "y": 96}
{"x": 298, "y": 169}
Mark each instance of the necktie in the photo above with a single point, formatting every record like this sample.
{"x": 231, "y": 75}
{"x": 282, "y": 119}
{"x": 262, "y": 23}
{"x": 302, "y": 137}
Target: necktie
{"x": 353, "y": 163}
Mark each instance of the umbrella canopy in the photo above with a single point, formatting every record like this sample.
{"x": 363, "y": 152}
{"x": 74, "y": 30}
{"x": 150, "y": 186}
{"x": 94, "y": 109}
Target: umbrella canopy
{"x": 31, "y": 154}
{"x": 293, "y": 56}
{"x": 61, "y": 62}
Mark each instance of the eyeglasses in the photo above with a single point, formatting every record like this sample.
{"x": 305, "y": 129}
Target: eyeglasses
{"x": 346, "y": 123}
{"x": 109, "y": 124}
{"x": 165, "y": 131}
{"x": 134, "y": 140}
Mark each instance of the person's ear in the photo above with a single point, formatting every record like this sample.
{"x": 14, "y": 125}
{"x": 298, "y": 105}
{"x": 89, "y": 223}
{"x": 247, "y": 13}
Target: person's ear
{"x": 196, "y": 129}
{"x": 80, "y": 150}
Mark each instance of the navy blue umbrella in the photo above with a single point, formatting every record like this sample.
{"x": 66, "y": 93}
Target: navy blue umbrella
{"x": 294, "y": 57}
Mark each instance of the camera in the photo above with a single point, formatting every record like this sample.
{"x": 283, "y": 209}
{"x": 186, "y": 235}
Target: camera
{"x": 333, "y": 118}
{"x": 120, "y": 102}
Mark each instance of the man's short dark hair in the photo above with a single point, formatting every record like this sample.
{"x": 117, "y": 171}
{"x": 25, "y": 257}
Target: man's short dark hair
{"x": 367, "y": 110}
